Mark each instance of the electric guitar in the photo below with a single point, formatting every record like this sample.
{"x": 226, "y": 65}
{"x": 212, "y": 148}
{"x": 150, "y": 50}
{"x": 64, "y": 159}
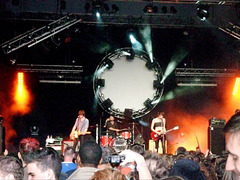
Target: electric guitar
{"x": 76, "y": 134}
{"x": 155, "y": 136}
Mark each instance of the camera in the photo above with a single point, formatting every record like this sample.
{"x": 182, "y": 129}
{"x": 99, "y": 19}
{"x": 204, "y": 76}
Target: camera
{"x": 115, "y": 160}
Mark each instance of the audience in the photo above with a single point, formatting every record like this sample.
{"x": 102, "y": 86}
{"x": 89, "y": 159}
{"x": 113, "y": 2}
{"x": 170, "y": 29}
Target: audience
{"x": 68, "y": 164}
{"x": 232, "y": 128}
{"x": 90, "y": 154}
{"x": 26, "y": 146}
{"x": 108, "y": 174}
{"x": 44, "y": 164}
{"x": 10, "y": 168}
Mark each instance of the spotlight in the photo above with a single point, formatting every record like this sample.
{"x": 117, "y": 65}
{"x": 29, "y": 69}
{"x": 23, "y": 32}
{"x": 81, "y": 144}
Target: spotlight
{"x": 203, "y": 11}
{"x": 115, "y": 8}
{"x": 98, "y": 15}
{"x": 107, "y": 103}
{"x": 34, "y": 130}
{"x": 173, "y": 10}
{"x": 131, "y": 56}
{"x": 109, "y": 63}
{"x": 100, "y": 82}
{"x": 87, "y": 7}
{"x": 148, "y": 104}
{"x": 164, "y": 9}
{"x": 157, "y": 84}
{"x": 150, "y": 65}
{"x": 150, "y": 9}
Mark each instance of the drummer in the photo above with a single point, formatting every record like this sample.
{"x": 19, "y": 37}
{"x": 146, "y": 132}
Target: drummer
{"x": 111, "y": 126}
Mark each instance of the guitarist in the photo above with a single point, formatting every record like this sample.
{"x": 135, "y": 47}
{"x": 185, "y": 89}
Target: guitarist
{"x": 158, "y": 126}
{"x": 81, "y": 126}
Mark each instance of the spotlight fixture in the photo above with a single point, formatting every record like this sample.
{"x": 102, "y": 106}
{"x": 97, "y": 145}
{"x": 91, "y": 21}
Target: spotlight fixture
{"x": 203, "y": 11}
{"x": 100, "y": 82}
{"x": 106, "y": 7}
{"x": 150, "y": 9}
{"x": 115, "y": 8}
{"x": 150, "y": 65}
{"x": 173, "y": 10}
{"x": 148, "y": 104}
{"x": 107, "y": 103}
{"x": 157, "y": 84}
{"x": 109, "y": 63}
{"x": 131, "y": 55}
{"x": 164, "y": 9}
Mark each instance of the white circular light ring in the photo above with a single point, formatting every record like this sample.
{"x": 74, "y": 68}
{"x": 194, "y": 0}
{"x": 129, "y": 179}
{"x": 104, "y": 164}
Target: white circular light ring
{"x": 128, "y": 83}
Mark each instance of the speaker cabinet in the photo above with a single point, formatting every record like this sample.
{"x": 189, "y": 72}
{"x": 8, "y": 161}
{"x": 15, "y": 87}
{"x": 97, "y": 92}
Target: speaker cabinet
{"x": 216, "y": 139}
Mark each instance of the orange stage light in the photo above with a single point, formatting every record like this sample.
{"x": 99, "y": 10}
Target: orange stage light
{"x": 236, "y": 90}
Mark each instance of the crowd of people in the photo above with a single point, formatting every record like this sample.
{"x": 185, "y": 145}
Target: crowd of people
{"x": 95, "y": 162}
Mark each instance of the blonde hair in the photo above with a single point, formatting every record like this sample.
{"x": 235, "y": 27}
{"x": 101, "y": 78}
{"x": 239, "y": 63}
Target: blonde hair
{"x": 108, "y": 174}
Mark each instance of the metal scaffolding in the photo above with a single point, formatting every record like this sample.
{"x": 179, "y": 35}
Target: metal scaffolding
{"x": 64, "y": 74}
{"x": 202, "y": 77}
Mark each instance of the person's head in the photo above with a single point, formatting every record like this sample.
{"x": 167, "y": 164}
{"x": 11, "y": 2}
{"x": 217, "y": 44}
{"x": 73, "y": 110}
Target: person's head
{"x": 43, "y": 164}
{"x": 181, "y": 150}
{"x": 237, "y": 111}
{"x": 10, "y": 168}
{"x": 90, "y": 154}
{"x": 160, "y": 114}
{"x": 232, "y": 128}
{"x": 108, "y": 174}
{"x": 26, "y": 146}
{"x": 111, "y": 118}
{"x": 68, "y": 153}
{"x": 81, "y": 113}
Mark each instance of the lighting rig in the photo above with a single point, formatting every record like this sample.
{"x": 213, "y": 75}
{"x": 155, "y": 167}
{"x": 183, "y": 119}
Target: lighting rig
{"x": 202, "y": 77}
{"x": 233, "y": 30}
{"x": 65, "y": 74}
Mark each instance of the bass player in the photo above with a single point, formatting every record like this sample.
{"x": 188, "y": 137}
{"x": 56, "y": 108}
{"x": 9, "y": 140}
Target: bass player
{"x": 79, "y": 129}
{"x": 158, "y": 126}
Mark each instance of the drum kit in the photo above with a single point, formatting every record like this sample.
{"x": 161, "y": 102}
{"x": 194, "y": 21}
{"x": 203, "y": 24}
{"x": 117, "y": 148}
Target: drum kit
{"x": 123, "y": 140}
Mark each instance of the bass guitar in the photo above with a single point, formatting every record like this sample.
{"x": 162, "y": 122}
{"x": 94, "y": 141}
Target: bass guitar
{"x": 155, "y": 136}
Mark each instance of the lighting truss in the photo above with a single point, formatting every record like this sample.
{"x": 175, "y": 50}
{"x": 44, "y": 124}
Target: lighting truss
{"x": 33, "y": 37}
{"x": 65, "y": 74}
{"x": 233, "y": 30}
{"x": 202, "y": 77}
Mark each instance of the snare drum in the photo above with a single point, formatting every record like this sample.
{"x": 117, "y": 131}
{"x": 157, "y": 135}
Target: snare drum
{"x": 105, "y": 140}
{"x": 126, "y": 135}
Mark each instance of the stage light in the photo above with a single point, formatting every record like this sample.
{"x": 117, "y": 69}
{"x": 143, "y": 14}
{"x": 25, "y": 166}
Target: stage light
{"x": 131, "y": 56}
{"x": 100, "y": 82}
{"x": 150, "y": 9}
{"x": 236, "y": 89}
{"x": 203, "y": 11}
{"x": 148, "y": 104}
{"x": 20, "y": 85}
{"x": 150, "y": 65}
{"x": 132, "y": 38}
{"x": 106, "y": 7}
{"x": 98, "y": 15}
{"x": 115, "y": 8}
{"x": 109, "y": 64}
{"x": 164, "y": 9}
{"x": 107, "y": 103}
{"x": 157, "y": 84}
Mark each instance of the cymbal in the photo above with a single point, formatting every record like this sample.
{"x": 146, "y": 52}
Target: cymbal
{"x": 107, "y": 131}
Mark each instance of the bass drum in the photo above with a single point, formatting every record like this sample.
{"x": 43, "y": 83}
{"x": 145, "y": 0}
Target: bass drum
{"x": 118, "y": 144}
{"x": 122, "y": 85}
